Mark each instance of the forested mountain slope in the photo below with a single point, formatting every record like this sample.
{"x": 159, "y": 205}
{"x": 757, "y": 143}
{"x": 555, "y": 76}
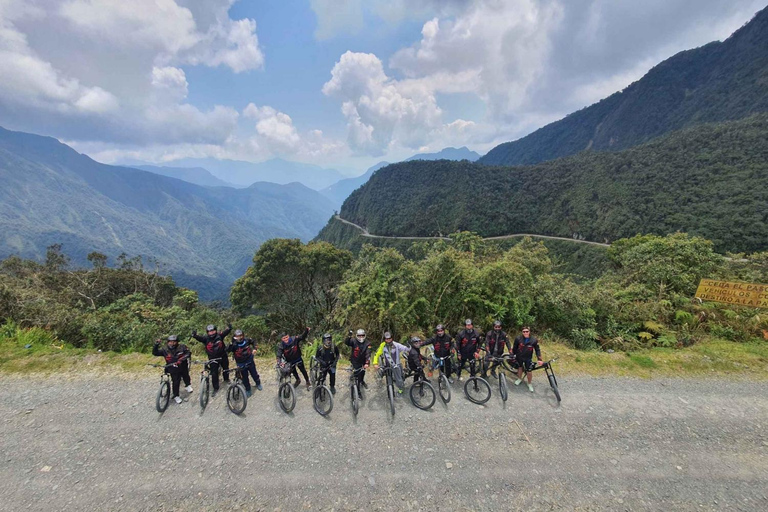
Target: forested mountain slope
{"x": 711, "y": 180}
{"x": 717, "y": 82}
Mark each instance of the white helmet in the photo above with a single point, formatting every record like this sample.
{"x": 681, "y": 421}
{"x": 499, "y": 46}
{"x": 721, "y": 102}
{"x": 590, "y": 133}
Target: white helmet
{"x": 361, "y": 332}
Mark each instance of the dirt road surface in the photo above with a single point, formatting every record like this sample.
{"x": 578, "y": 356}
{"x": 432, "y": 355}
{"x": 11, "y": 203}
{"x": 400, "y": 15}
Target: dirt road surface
{"x": 613, "y": 444}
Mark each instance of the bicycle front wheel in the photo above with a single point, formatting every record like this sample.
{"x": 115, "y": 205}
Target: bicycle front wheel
{"x": 237, "y": 400}
{"x": 355, "y": 399}
{"x": 503, "y": 386}
{"x": 205, "y": 391}
{"x": 444, "y": 388}
{"x": 478, "y": 390}
{"x": 422, "y": 395}
{"x": 286, "y": 397}
{"x": 163, "y": 396}
{"x": 553, "y": 385}
{"x": 322, "y": 399}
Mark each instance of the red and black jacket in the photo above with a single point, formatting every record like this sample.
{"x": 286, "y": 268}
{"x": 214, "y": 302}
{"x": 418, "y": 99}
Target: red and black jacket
{"x": 468, "y": 342}
{"x": 495, "y": 341}
{"x": 243, "y": 352}
{"x": 172, "y": 355}
{"x": 214, "y": 345}
{"x": 361, "y": 352}
{"x": 524, "y": 351}
{"x": 443, "y": 344}
{"x": 290, "y": 350}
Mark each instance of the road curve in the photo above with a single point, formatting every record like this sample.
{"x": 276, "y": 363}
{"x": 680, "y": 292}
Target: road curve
{"x": 367, "y": 234}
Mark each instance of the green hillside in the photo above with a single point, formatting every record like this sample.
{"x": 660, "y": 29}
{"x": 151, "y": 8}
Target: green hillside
{"x": 711, "y": 181}
{"x": 717, "y": 82}
{"x": 205, "y": 237}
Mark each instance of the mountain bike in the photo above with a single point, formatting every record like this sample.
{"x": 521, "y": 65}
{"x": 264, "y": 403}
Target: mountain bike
{"x": 286, "y": 393}
{"x": 503, "y": 387}
{"x": 443, "y": 384}
{"x": 422, "y": 393}
{"x": 547, "y": 366}
{"x": 322, "y": 398}
{"x": 354, "y": 387}
{"x": 237, "y": 399}
{"x": 387, "y": 371}
{"x": 476, "y": 388}
{"x": 164, "y": 393}
{"x": 205, "y": 380}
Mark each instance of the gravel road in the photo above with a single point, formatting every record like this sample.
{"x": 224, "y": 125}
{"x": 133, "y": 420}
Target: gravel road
{"x": 613, "y": 444}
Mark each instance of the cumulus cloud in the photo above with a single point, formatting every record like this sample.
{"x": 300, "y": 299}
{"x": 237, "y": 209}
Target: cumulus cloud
{"x": 110, "y": 70}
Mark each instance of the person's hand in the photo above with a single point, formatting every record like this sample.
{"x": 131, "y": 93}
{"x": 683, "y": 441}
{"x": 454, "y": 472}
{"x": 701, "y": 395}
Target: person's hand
{"x": 375, "y": 367}
{"x": 350, "y": 333}
{"x": 157, "y": 342}
{"x": 308, "y": 329}
{"x": 194, "y": 332}
{"x": 365, "y": 367}
{"x": 229, "y": 325}
{"x": 175, "y": 365}
{"x": 539, "y": 362}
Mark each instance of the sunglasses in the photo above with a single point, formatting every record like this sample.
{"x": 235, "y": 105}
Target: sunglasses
{"x": 526, "y": 330}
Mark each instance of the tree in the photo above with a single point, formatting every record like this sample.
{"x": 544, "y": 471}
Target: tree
{"x": 294, "y": 283}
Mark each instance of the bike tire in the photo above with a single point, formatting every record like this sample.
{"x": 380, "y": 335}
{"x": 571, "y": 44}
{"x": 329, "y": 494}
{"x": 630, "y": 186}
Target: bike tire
{"x": 477, "y": 390}
{"x": 163, "y": 396}
{"x": 237, "y": 399}
{"x": 508, "y": 366}
{"x": 503, "y": 390}
{"x": 553, "y": 385}
{"x": 322, "y": 399}
{"x": 355, "y": 400}
{"x": 444, "y": 388}
{"x": 286, "y": 397}
{"x": 391, "y": 397}
{"x": 205, "y": 392}
{"x": 422, "y": 395}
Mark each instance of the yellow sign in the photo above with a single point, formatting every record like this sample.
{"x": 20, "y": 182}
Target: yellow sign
{"x": 742, "y": 294}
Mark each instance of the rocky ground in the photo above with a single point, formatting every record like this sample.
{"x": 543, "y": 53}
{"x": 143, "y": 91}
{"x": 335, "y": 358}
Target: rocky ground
{"x": 91, "y": 443}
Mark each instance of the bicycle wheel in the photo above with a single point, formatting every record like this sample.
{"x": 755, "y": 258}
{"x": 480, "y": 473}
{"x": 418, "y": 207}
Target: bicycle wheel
{"x": 322, "y": 400}
{"x": 422, "y": 395}
{"x": 355, "y": 399}
{"x": 286, "y": 397}
{"x": 507, "y": 364}
{"x": 313, "y": 372}
{"x": 163, "y": 396}
{"x": 205, "y": 391}
{"x": 444, "y": 388}
{"x": 478, "y": 390}
{"x": 553, "y": 385}
{"x": 503, "y": 386}
{"x": 237, "y": 400}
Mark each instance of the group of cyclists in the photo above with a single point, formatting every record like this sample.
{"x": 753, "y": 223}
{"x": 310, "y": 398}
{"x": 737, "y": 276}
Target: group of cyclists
{"x": 467, "y": 344}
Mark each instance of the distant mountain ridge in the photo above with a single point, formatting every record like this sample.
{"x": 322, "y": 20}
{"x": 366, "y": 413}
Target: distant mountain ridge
{"x": 462, "y": 153}
{"x": 205, "y": 236}
{"x": 716, "y": 82}
{"x": 196, "y": 175}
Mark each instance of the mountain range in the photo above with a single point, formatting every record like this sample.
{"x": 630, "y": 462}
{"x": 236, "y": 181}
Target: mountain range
{"x": 204, "y": 236}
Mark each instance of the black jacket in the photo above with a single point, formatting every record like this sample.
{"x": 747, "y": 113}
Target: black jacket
{"x": 525, "y": 351}
{"x": 495, "y": 341}
{"x": 443, "y": 344}
{"x": 214, "y": 345}
{"x": 172, "y": 356}
{"x": 361, "y": 352}
{"x": 329, "y": 356}
{"x": 243, "y": 353}
{"x": 290, "y": 350}
{"x": 468, "y": 342}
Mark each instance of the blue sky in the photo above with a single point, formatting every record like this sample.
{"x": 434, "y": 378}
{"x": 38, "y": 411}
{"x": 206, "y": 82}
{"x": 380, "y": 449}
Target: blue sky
{"x": 340, "y": 83}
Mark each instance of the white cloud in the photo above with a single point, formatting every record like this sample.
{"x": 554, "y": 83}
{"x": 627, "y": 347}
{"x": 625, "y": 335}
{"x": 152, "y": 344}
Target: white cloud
{"x": 337, "y": 16}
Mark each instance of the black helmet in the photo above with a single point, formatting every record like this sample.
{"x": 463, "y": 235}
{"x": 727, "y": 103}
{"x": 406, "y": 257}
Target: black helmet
{"x": 238, "y": 332}
{"x": 497, "y": 323}
{"x": 210, "y": 328}
{"x": 326, "y": 336}
{"x": 173, "y": 337}
{"x": 440, "y": 327}
{"x": 416, "y": 342}
{"x": 327, "y": 340}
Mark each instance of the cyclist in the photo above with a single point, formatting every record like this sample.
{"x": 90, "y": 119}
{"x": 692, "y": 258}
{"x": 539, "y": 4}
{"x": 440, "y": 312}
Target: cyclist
{"x": 523, "y": 348}
{"x": 495, "y": 341}
{"x": 243, "y": 349}
{"x": 415, "y": 359}
{"x": 175, "y": 354}
{"x": 328, "y": 355}
{"x": 289, "y": 348}
{"x": 361, "y": 354}
{"x": 468, "y": 343}
{"x": 216, "y": 349}
{"x": 444, "y": 346}
{"x": 395, "y": 350}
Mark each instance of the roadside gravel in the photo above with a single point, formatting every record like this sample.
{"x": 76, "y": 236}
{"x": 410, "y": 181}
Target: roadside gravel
{"x": 613, "y": 444}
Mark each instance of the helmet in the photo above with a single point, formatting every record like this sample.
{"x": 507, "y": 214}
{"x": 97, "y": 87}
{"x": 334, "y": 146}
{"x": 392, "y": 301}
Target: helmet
{"x": 210, "y": 328}
{"x": 173, "y": 337}
{"x": 283, "y": 334}
{"x": 497, "y": 323}
{"x": 468, "y": 321}
{"x": 238, "y": 332}
{"x": 387, "y": 335}
{"x": 326, "y": 336}
{"x": 361, "y": 332}
{"x": 327, "y": 340}
{"x": 416, "y": 342}
{"x": 440, "y": 327}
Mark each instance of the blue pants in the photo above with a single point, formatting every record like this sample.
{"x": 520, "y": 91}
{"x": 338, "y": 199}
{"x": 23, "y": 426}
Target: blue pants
{"x": 246, "y": 369}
